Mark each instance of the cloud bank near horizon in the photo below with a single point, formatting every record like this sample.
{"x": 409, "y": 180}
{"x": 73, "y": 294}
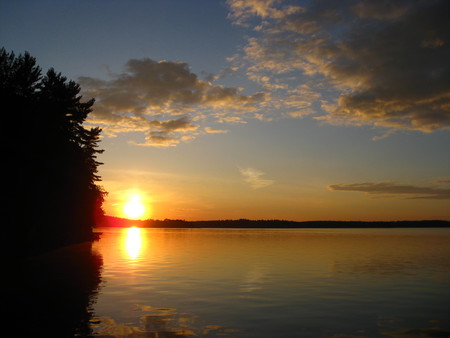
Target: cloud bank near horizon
{"x": 392, "y": 189}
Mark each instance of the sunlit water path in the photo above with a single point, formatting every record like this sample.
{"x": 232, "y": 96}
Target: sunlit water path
{"x": 274, "y": 283}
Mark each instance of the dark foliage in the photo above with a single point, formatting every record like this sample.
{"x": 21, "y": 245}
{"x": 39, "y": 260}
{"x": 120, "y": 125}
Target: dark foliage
{"x": 50, "y": 165}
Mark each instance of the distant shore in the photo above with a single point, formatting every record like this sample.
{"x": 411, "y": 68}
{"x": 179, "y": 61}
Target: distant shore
{"x": 111, "y": 221}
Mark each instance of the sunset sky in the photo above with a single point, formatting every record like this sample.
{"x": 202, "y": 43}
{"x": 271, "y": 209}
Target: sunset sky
{"x": 298, "y": 110}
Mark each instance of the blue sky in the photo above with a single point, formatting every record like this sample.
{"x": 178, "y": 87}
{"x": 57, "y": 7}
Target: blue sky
{"x": 299, "y": 110}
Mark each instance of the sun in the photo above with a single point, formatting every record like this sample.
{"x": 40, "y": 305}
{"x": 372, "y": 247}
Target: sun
{"x": 134, "y": 208}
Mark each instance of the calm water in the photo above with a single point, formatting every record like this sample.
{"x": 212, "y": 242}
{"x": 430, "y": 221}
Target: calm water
{"x": 274, "y": 283}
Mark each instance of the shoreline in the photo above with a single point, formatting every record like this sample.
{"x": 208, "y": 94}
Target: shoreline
{"x": 111, "y": 221}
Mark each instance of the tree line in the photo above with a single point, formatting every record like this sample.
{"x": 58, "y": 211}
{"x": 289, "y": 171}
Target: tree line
{"x": 50, "y": 158}
{"x": 111, "y": 221}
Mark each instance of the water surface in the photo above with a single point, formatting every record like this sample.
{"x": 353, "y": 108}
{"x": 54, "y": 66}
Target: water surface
{"x": 274, "y": 282}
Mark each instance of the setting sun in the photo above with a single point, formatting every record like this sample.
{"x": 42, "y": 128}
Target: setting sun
{"x": 134, "y": 208}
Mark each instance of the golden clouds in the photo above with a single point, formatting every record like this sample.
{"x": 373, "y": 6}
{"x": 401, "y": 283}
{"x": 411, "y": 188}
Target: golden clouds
{"x": 150, "y": 96}
{"x": 243, "y": 10}
{"x": 377, "y": 63}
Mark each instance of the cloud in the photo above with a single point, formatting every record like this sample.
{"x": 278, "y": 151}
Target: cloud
{"x": 243, "y": 10}
{"x": 211, "y": 130}
{"x": 442, "y": 182}
{"x": 394, "y": 189}
{"x": 254, "y": 178}
{"x": 161, "y": 132}
{"x": 150, "y": 96}
{"x": 380, "y": 63}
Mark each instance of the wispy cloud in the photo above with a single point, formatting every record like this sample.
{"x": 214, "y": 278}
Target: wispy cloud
{"x": 211, "y": 130}
{"x": 164, "y": 100}
{"x": 254, "y": 178}
{"x": 442, "y": 182}
{"x": 394, "y": 189}
{"x": 382, "y": 63}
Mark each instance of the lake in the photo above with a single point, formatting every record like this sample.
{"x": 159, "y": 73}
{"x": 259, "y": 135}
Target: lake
{"x": 273, "y": 283}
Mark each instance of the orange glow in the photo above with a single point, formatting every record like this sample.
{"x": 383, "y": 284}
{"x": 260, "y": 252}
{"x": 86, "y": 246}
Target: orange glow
{"x": 133, "y": 242}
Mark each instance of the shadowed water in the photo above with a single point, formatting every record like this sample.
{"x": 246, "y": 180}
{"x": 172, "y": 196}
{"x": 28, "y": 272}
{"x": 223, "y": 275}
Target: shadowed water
{"x": 274, "y": 283}
{"x": 51, "y": 295}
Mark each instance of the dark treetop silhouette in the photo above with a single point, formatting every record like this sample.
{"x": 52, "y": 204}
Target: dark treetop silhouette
{"x": 52, "y": 198}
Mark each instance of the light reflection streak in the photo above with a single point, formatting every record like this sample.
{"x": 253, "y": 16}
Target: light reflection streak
{"x": 133, "y": 242}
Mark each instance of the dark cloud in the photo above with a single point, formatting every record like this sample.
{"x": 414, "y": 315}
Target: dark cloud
{"x": 394, "y": 189}
{"x": 168, "y": 133}
{"x": 385, "y": 61}
{"x": 149, "y": 96}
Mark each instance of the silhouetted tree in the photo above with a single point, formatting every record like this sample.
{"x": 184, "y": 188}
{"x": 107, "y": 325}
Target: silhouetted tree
{"x": 50, "y": 157}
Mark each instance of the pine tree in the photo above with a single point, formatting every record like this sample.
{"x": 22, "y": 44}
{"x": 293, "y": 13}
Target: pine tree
{"x": 51, "y": 165}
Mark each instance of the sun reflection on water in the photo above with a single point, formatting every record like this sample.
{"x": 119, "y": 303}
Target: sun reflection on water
{"x": 133, "y": 242}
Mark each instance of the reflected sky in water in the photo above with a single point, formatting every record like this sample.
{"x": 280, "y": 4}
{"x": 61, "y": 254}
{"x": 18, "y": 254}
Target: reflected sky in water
{"x": 271, "y": 283}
